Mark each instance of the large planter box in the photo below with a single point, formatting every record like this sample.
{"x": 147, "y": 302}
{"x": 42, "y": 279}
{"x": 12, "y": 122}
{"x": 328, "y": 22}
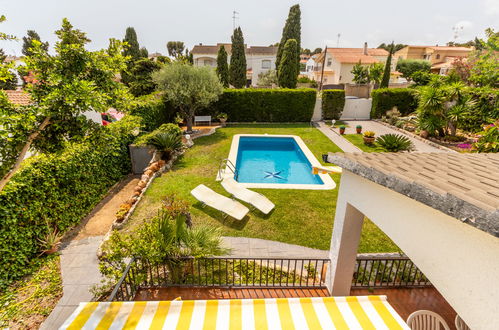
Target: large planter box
{"x": 140, "y": 156}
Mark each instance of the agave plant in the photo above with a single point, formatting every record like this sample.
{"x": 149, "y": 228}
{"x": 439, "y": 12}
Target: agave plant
{"x": 167, "y": 143}
{"x": 50, "y": 242}
{"x": 394, "y": 142}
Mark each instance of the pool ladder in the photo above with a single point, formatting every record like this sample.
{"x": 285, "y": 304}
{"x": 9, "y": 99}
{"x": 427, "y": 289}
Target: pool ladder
{"x": 224, "y": 165}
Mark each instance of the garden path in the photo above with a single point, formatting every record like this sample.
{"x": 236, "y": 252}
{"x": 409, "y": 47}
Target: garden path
{"x": 335, "y": 136}
{"x": 255, "y": 247}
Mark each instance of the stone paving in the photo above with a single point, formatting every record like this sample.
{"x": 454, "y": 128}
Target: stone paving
{"x": 80, "y": 271}
{"x": 335, "y": 136}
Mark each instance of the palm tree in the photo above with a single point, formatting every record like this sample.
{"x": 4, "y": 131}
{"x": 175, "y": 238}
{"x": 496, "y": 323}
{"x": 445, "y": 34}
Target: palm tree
{"x": 431, "y": 109}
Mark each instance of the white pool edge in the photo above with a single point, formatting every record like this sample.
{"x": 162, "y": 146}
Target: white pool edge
{"x": 328, "y": 182}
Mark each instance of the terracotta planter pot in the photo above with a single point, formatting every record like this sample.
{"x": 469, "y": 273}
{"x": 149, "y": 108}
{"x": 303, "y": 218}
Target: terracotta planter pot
{"x": 342, "y": 131}
{"x": 369, "y": 140}
{"x": 359, "y": 130}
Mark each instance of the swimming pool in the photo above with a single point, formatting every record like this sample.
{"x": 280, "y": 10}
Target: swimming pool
{"x": 275, "y": 161}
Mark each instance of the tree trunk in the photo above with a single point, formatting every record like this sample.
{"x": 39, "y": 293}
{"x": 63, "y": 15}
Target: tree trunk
{"x": 189, "y": 123}
{"x": 452, "y": 128}
{"x": 23, "y": 152}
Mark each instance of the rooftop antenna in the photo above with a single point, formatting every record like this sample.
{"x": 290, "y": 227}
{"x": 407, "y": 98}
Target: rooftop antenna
{"x": 456, "y": 30}
{"x": 234, "y": 17}
{"x": 338, "y": 41}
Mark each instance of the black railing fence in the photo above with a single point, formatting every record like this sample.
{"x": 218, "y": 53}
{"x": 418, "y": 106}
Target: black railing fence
{"x": 370, "y": 272}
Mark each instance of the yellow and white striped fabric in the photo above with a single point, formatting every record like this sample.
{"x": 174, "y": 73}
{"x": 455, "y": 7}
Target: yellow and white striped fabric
{"x": 366, "y": 312}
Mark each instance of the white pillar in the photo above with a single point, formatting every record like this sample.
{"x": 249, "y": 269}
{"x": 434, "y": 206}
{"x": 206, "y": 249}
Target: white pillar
{"x": 344, "y": 243}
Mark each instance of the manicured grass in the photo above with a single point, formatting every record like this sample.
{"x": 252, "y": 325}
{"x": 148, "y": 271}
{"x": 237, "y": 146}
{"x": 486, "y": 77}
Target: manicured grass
{"x": 27, "y": 302}
{"x": 303, "y": 217}
{"x": 358, "y": 141}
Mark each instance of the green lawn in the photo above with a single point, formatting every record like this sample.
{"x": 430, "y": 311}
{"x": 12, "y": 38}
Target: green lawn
{"x": 358, "y": 141}
{"x": 303, "y": 217}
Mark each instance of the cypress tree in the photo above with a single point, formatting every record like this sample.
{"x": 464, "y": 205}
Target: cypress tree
{"x": 132, "y": 50}
{"x": 237, "y": 69}
{"x": 288, "y": 71}
{"x": 223, "y": 66}
{"x": 291, "y": 30}
{"x": 28, "y": 40}
{"x": 386, "y": 73}
{"x": 144, "y": 53}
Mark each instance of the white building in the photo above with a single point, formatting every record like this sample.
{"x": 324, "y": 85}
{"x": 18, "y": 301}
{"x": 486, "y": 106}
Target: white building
{"x": 258, "y": 59}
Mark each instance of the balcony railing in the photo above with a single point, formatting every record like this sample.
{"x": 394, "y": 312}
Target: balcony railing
{"x": 370, "y": 272}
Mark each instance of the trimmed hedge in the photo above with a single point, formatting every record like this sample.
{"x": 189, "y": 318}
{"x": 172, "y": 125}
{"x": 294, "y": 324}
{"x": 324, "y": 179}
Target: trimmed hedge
{"x": 384, "y": 99}
{"x": 333, "y": 101}
{"x": 154, "y": 110}
{"x": 59, "y": 190}
{"x": 265, "y": 105}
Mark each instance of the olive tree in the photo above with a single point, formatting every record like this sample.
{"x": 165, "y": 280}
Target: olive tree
{"x": 188, "y": 88}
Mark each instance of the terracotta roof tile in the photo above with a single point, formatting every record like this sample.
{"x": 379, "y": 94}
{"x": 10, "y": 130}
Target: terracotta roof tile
{"x": 470, "y": 180}
{"x": 213, "y": 49}
{"x": 18, "y": 97}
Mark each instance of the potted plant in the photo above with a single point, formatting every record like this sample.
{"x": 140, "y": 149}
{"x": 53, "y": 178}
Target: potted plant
{"x": 358, "y": 128}
{"x": 222, "y": 117}
{"x": 342, "y": 129}
{"x": 369, "y": 137}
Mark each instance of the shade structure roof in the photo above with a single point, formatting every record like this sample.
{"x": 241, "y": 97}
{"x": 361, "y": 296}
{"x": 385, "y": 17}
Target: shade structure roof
{"x": 291, "y": 313}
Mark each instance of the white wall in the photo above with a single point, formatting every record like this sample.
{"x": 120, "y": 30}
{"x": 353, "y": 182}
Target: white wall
{"x": 356, "y": 109}
{"x": 462, "y": 262}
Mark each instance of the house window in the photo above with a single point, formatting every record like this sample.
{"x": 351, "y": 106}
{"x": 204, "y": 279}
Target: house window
{"x": 207, "y": 63}
{"x": 266, "y": 64}
{"x": 438, "y": 56}
{"x": 329, "y": 61}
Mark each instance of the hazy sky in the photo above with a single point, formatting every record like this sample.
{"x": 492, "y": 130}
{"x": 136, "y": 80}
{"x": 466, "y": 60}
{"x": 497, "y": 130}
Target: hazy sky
{"x": 209, "y": 22}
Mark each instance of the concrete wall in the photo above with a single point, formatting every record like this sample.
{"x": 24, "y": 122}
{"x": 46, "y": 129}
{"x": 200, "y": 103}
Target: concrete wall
{"x": 460, "y": 260}
{"x": 356, "y": 109}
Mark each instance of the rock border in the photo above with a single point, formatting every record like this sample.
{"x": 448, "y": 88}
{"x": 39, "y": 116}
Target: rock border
{"x": 417, "y": 137}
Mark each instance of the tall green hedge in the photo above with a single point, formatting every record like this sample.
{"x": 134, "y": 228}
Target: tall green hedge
{"x": 384, "y": 99}
{"x": 154, "y": 110}
{"x": 58, "y": 190}
{"x": 265, "y": 105}
{"x": 333, "y": 101}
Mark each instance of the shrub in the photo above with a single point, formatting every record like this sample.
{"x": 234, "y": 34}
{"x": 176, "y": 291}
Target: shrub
{"x": 333, "y": 101}
{"x": 265, "y": 105}
{"x": 154, "y": 111}
{"x": 489, "y": 139}
{"x": 167, "y": 143}
{"x": 146, "y": 139}
{"x": 385, "y": 99}
{"x": 59, "y": 190}
{"x": 394, "y": 142}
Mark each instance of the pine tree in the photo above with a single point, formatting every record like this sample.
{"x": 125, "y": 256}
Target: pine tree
{"x": 386, "y": 73}
{"x": 223, "y": 66}
{"x": 288, "y": 71}
{"x": 237, "y": 69}
{"x": 28, "y": 40}
{"x": 291, "y": 30}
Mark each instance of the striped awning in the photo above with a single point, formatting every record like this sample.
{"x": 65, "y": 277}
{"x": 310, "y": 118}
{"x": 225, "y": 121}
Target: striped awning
{"x": 366, "y": 312}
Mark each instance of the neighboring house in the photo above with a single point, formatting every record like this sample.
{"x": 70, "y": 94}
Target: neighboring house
{"x": 339, "y": 63}
{"x": 440, "y": 57}
{"x": 18, "y": 97}
{"x": 304, "y": 58}
{"x": 258, "y": 59}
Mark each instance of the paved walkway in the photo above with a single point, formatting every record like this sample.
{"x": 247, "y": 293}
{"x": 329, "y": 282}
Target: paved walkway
{"x": 80, "y": 271}
{"x": 370, "y": 125}
{"x": 335, "y": 136}
{"x": 255, "y": 247}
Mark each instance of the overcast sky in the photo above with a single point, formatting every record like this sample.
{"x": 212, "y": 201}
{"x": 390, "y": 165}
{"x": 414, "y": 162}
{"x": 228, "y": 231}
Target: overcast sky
{"x": 209, "y": 22}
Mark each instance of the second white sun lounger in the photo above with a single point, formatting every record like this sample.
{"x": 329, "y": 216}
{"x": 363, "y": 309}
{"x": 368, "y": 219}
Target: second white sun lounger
{"x": 224, "y": 204}
{"x": 257, "y": 200}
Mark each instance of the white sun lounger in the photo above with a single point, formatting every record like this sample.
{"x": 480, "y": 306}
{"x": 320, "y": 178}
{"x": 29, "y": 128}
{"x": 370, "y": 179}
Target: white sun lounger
{"x": 219, "y": 202}
{"x": 257, "y": 200}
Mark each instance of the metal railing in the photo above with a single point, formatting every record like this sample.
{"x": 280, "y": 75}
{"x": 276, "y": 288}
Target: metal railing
{"x": 387, "y": 272}
{"x": 370, "y": 272}
{"x": 228, "y": 165}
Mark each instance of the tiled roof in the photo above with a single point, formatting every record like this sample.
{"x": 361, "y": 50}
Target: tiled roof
{"x": 18, "y": 97}
{"x": 370, "y": 51}
{"x": 464, "y": 186}
{"x": 355, "y": 58}
{"x": 252, "y": 50}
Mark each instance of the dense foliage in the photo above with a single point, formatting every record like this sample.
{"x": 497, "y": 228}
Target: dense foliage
{"x": 267, "y": 79}
{"x": 8, "y": 78}
{"x": 265, "y": 105}
{"x": 188, "y": 88}
{"x": 287, "y": 70}
{"x": 360, "y": 73}
{"x": 484, "y": 62}
{"x": 394, "y": 142}
{"x": 291, "y": 30}
{"x": 175, "y": 48}
{"x": 408, "y": 66}
{"x": 489, "y": 139}
{"x": 132, "y": 53}
{"x": 222, "y": 67}
{"x": 55, "y": 191}
{"x": 146, "y": 139}
{"x": 385, "y": 99}
{"x": 28, "y": 43}
{"x": 385, "y": 80}
{"x": 140, "y": 82}
{"x": 237, "y": 69}
{"x": 154, "y": 109}
{"x": 333, "y": 101}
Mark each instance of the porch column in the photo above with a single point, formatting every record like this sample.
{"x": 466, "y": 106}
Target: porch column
{"x": 344, "y": 243}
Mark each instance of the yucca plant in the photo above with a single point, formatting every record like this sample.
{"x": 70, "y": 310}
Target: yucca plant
{"x": 167, "y": 143}
{"x": 394, "y": 142}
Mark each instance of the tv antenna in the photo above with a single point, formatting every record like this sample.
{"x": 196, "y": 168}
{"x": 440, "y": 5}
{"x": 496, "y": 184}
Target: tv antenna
{"x": 338, "y": 41}
{"x": 234, "y": 17}
{"x": 456, "y": 30}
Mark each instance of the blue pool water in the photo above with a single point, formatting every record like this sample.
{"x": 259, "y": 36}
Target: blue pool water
{"x": 273, "y": 160}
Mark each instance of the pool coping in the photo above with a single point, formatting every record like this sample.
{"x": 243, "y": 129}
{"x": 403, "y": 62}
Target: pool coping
{"x": 328, "y": 182}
